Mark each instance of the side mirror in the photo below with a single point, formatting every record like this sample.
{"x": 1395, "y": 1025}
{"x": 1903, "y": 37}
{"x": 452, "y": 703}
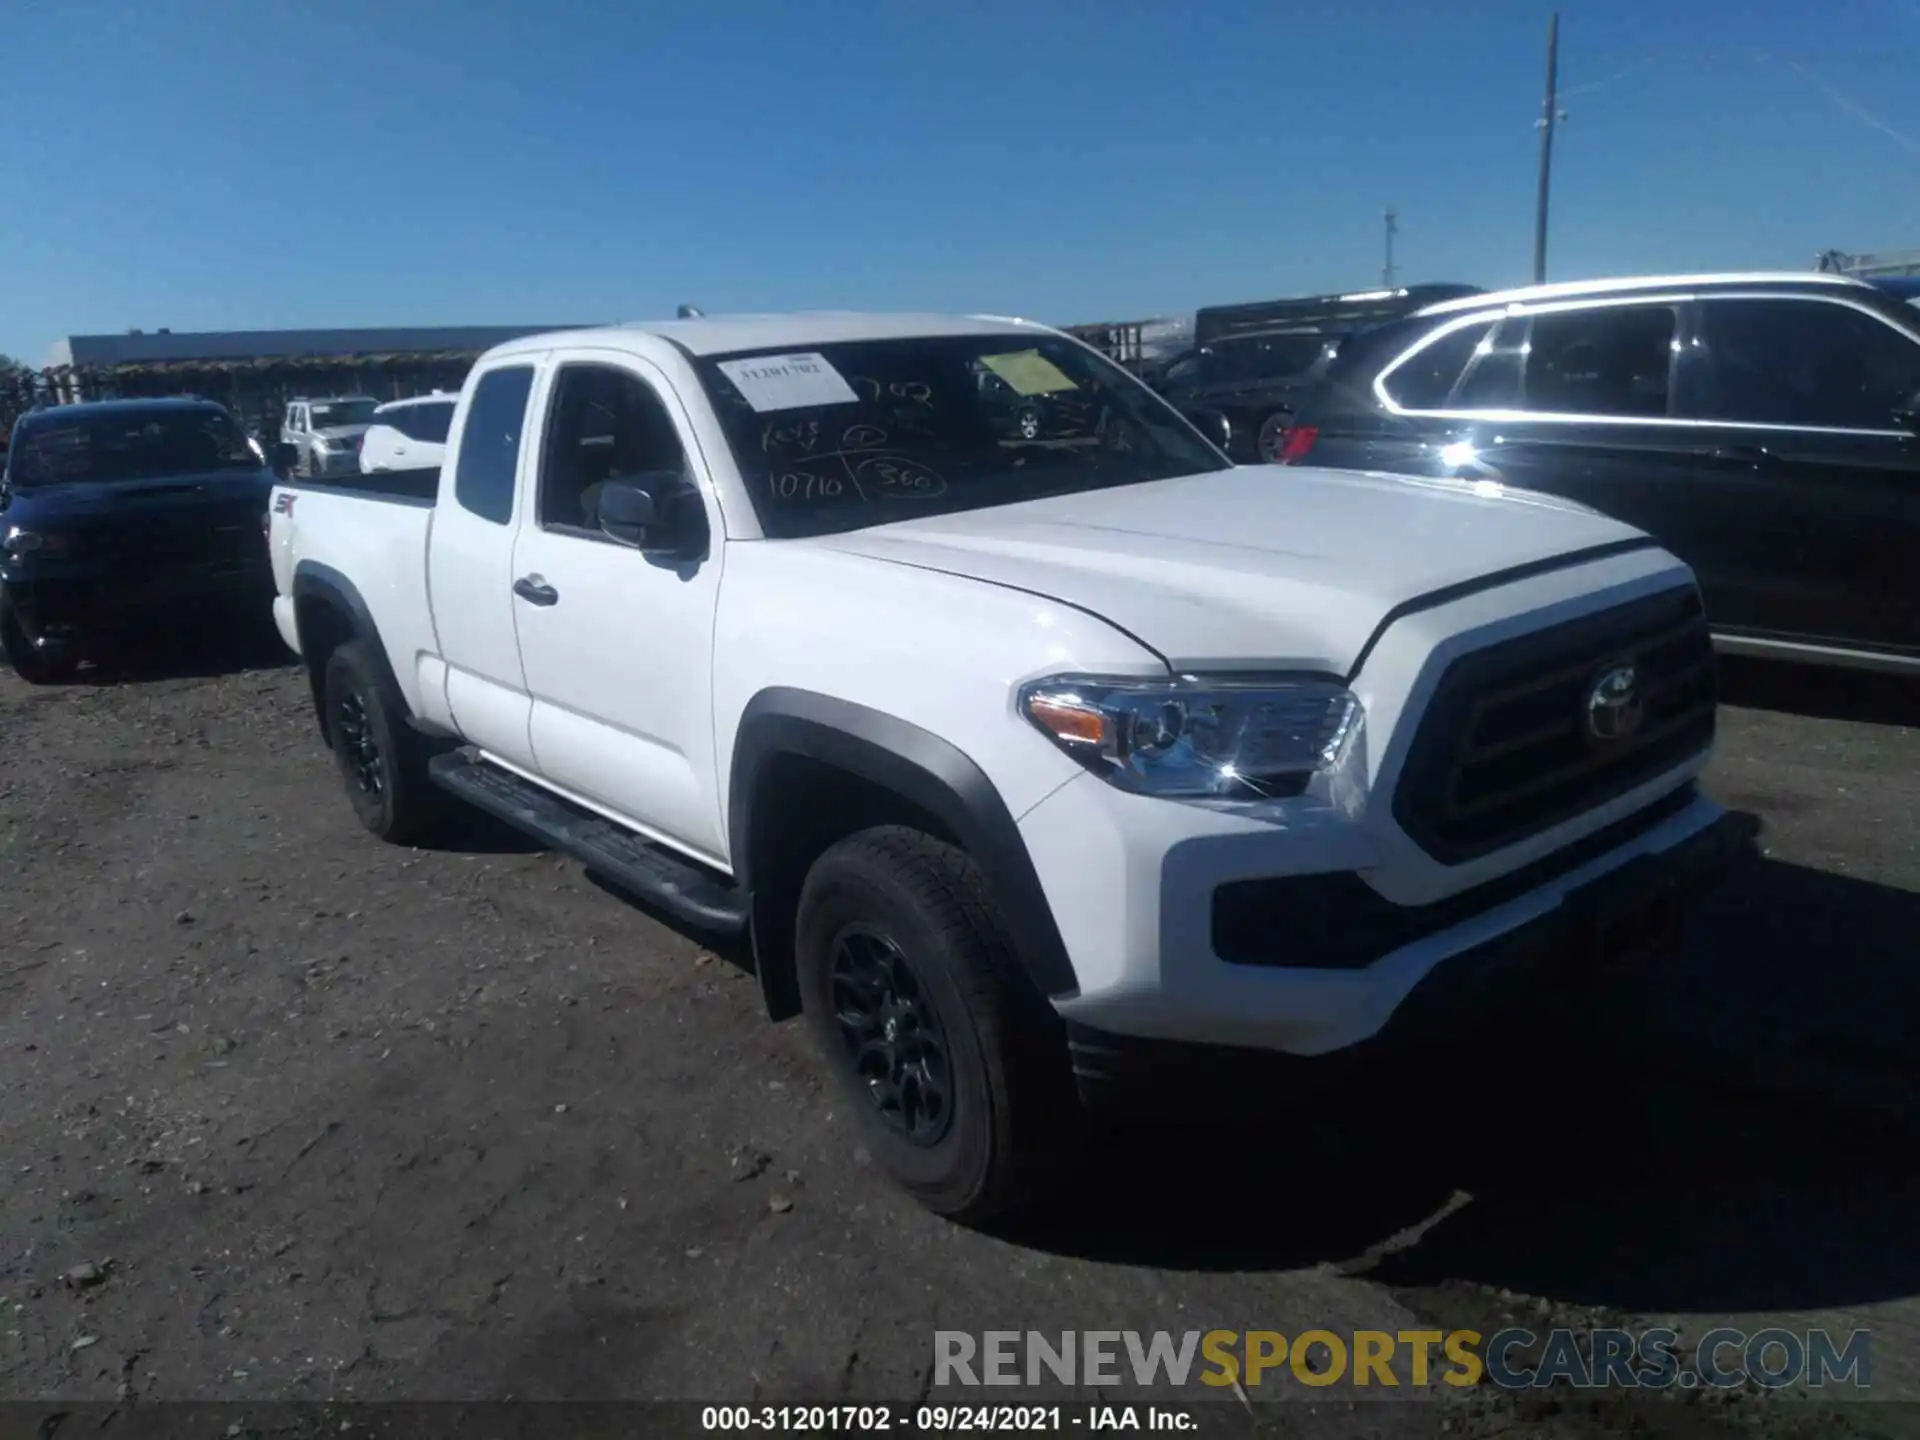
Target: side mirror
{"x": 285, "y": 457}
{"x": 626, "y": 511}
{"x": 657, "y": 512}
{"x": 1214, "y": 425}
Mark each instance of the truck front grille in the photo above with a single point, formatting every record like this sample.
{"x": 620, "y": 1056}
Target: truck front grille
{"x": 1507, "y": 748}
{"x": 214, "y": 534}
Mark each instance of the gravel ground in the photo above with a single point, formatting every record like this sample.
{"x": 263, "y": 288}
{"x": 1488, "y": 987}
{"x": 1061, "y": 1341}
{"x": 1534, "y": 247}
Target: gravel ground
{"x": 331, "y": 1120}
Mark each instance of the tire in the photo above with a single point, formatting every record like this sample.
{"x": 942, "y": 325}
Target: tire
{"x": 900, "y": 929}
{"x": 382, "y": 764}
{"x": 1272, "y": 436}
{"x": 25, "y": 661}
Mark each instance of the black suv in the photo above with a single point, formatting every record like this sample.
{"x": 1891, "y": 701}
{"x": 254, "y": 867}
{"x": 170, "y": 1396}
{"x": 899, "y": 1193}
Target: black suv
{"x": 1762, "y": 427}
{"x": 1252, "y": 362}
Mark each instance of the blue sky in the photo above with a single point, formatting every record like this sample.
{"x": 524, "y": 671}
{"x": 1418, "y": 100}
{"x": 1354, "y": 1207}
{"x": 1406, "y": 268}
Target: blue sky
{"x": 208, "y": 165}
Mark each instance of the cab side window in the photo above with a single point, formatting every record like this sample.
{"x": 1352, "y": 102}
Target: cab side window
{"x": 604, "y": 424}
{"x": 1804, "y": 362}
{"x": 490, "y": 443}
{"x": 1609, "y": 360}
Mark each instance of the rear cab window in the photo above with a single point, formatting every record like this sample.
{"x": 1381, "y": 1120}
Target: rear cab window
{"x": 489, "y": 455}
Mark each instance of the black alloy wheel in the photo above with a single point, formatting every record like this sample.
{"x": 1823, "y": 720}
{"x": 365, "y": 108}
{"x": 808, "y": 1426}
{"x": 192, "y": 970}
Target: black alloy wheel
{"x": 892, "y": 1035}
{"x": 383, "y": 764}
{"x": 360, "y": 746}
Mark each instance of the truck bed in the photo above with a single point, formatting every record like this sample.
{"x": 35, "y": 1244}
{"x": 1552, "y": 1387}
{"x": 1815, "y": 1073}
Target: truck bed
{"x": 418, "y": 487}
{"x": 367, "y": 531}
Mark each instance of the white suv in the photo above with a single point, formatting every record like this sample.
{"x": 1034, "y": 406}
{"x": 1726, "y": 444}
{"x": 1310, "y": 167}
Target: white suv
{"x": 408, "y": 434}
{"x": 325, "y": 432}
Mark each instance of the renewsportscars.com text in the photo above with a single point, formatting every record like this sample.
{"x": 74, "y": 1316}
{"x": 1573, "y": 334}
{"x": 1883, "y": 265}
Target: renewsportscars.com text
{"x": 1512, "y": 1359}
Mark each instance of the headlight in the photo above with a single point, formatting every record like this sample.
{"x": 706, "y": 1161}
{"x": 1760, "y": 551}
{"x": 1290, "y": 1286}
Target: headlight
{"x": 33, "y": 542}
{"x": 1195, "y": 737}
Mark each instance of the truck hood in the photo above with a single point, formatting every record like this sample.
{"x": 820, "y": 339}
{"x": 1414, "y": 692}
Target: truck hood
{"x": 131, "y": 500}
{"x": 1258, "y": 565}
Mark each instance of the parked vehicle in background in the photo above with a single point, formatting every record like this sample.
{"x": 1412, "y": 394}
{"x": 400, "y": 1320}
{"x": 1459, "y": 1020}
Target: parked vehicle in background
{"x": 1038, "y": 770}
{"x": 121, "y": 515}
{"x": 1901, "y": 287}
{"x": 1765, "y": 428}
{"x": 407, "y": 434}
{"x": 325, "y": 433}
{"x": 1251, "y": 363}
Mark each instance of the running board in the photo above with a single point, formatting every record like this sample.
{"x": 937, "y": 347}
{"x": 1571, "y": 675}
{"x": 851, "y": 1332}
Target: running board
{"x": 650, "y": 872}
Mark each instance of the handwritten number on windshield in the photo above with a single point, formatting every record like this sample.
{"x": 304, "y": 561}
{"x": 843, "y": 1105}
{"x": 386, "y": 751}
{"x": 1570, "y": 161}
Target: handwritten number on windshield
{"x": 917, "y": 392}
{"x": 899, "y": 479}
{"x": 792, "y": 486}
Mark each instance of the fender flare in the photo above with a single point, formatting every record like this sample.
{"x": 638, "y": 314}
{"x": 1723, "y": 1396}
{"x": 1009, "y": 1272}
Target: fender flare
{"x": 920, "y": 767}
{"x": 314, "y": 581}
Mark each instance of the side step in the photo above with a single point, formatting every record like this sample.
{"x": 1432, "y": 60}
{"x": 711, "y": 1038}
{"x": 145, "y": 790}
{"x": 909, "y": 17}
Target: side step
{"x": 651, "y": 872}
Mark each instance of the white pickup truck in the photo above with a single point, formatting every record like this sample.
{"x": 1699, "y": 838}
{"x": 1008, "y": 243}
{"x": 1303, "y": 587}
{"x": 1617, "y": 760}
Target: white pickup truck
{"x": 1040, "y": 751}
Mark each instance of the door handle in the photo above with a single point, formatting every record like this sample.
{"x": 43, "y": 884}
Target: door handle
{"x": 535, "y": 591}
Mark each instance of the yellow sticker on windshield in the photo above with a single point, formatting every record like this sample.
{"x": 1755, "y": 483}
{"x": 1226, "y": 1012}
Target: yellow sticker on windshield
{"x": 1029, "y": 372}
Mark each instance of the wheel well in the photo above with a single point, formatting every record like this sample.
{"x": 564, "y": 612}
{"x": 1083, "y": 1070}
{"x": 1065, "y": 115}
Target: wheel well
{"x": 324, "y": 626}
{"x": 803, "y": 806}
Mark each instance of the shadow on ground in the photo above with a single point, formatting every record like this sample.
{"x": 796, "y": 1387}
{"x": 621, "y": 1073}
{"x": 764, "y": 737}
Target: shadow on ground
{"x": 1629, "y": 1159}
{"x": 1827, "y": 694}
{"x": 203, "y": 650}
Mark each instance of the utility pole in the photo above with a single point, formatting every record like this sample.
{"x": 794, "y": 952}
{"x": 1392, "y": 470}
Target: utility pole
{"x": 1386, "y": 270}
{"x": 1549, "y": 116}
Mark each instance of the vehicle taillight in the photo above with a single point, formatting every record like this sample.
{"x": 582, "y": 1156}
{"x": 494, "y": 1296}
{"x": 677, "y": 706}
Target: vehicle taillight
{"x": 1297, "y": 442}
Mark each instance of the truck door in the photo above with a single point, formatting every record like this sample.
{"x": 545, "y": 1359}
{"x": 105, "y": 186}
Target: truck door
{"x": 618, "y": 644}
{"x": 470, "y": 565}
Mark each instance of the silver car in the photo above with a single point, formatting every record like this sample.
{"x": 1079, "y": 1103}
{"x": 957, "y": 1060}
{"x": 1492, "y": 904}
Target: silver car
{"x": 326, "y": 432}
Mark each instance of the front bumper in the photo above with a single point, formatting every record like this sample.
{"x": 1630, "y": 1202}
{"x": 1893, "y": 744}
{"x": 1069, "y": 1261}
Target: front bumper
{"x": 1596, "y": 932}
{"x": 1135, "y": 886}
{"x": 61, "y": 611}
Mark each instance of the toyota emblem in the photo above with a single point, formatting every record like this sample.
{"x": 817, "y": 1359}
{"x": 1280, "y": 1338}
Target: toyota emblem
{"x": 1615, "y": 706}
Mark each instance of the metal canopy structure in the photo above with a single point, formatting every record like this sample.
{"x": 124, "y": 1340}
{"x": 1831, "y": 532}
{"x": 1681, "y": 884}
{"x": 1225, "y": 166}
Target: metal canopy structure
{"x": 253, "y": 372}
{"x": 1869, "y": 265}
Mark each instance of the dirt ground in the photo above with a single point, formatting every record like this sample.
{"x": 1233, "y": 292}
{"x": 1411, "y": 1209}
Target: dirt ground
{"x": 289, "y": 1115}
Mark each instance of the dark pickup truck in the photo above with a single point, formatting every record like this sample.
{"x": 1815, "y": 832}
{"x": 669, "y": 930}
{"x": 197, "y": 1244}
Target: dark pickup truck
{"x": 124, "y": 515}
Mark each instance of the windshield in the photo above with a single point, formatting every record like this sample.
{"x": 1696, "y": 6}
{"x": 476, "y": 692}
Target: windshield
{"x": 342, "y": 412}
{"x": 844, "y": 436}
{"x": 110, "y": 446}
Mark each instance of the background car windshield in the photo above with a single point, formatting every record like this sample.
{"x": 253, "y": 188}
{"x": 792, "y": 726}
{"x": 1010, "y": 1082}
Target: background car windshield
{"x": 343, "y": 412}
{"x": 888, "y": 429}
{"x": 122, "y": 445}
